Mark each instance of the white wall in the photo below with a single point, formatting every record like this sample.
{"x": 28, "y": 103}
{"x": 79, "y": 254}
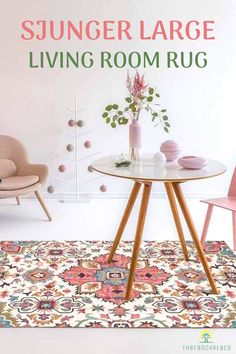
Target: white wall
{"x": 200, "y": 102}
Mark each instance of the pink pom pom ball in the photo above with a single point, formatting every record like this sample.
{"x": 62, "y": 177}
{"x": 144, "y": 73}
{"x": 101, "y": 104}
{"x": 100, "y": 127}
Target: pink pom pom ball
{"x": 103, "y": 188}
{"x": 71, "y": 122}
{"x": 50, "y": 189}
{"x": 80, "y": 123}
{"x": 62, "y": 168}
{"x": 87, "y": 144}
{"x": 90, "y": 169}
{"x": 70, "y": 147}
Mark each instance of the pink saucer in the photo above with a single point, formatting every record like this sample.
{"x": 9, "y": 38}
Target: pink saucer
{"x": 192, "y": 162}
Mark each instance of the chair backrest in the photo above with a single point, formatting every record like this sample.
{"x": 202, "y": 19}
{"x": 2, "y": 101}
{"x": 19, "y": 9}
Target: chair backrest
{"x": 232, "y": 187}
{"x": 12, "y": 149}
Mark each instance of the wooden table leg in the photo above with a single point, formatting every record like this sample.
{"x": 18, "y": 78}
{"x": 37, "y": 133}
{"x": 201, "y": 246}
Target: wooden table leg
{"x": 128, "y": 209}
{"x": 138, "y": 237}
{"x": 192, "y": 229}
{"x": 174, "y": 209}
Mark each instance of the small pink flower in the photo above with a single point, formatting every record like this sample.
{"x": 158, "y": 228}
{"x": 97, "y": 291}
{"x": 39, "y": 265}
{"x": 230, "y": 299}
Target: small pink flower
{"x": 139, "y": 84}
{"x": 136, "y": 85}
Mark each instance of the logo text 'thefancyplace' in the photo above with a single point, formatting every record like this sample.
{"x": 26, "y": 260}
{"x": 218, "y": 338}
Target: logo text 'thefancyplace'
{"x": 207, "y": 347}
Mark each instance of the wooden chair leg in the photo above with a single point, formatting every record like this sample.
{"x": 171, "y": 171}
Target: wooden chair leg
{"x": 174, "y": 209}
{"x": 128, "y": 209}
{"x": 193, "y": 232}
{"x": 43, "y": 205}
{"x": 138, "y": 237}
{"x": 206, "y": 223}
{"x": 234, "y": 228}
{"x": 18, "y": 200}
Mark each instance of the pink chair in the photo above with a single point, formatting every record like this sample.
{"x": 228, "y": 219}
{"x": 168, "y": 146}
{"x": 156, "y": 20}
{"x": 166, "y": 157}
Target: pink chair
{"x": 228, "y": 202}
{"x": 18, "y": 176}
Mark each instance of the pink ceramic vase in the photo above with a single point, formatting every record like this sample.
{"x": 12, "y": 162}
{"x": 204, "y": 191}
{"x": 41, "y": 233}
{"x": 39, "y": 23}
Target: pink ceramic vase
{"x": 170, "y": 149}
{"x": 135, "y": 141}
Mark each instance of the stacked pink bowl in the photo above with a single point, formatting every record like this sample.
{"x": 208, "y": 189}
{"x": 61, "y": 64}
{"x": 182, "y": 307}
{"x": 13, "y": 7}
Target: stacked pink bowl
{"x": 192, "y": 162}
{"x": 170, "y": 149}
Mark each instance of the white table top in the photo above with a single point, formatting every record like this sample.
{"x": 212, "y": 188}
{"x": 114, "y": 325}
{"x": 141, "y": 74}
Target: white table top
{"x": 145, "y": 169}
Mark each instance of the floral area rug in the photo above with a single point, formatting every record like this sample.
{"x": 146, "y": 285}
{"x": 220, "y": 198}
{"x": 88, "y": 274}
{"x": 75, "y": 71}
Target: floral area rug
{"x": 70, "y": 284}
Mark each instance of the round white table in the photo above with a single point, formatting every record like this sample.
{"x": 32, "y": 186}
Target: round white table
{"x": 144, "y": 172}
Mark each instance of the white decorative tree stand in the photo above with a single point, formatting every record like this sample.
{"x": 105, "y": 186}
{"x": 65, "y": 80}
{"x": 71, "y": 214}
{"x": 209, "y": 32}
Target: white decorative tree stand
{"x": 75, "y": 124}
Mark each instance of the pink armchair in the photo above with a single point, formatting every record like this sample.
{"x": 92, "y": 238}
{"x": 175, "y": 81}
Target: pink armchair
{"x": 18, "y": 176}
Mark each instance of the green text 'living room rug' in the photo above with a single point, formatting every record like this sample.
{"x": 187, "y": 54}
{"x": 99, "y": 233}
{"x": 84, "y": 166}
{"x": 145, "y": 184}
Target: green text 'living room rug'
{"x": 70, "y": 284}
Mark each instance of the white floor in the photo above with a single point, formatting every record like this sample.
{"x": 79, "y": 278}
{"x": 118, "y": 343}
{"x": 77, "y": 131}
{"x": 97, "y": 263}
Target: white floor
{"x": 98, "y": 220}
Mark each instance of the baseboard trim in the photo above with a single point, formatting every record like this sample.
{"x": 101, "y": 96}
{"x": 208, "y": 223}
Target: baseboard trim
{"x": 121, "y": 196}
